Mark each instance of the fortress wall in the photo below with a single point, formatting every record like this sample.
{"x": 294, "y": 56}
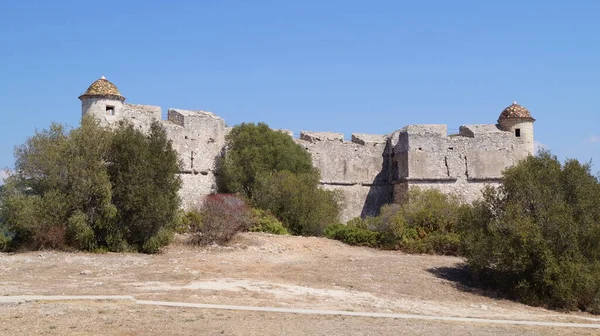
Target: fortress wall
{"x": 141, "y": 116}
{"x": 461, "y": 164}
{"x": 369, "y": 171}
{"x": 360, "y": 200}
{"x": 199, "y": 138}
{"x": 484, "y": 155}
{"x": 195, "y": 186}
{"x": 347, "y": 162}
{"x": 359, "y": 169}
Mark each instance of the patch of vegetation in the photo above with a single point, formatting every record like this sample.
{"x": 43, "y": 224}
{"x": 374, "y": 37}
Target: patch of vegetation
{"x": 275, "y": 174}
{"x": 256, "y": 149}
{"x": 426, "y": 223}
{"x": 264, "y": 221}
{"x": 298, "y": 201}
{"x": 353, "y": 235}
{"x": 219, "y": 219}
{"x": 93, "y": 188}
{"x": 535, "y": 239}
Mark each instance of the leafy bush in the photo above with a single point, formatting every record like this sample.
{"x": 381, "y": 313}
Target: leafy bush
{"x": 253, "y": 150}
{"x": 92, "y": 188}
{"x": 276, "y": 175}
{"x": 353, "y": 235}
{"x": 4, "y": 241}
{"x": 426, "y": 223}
{"x": 435, "y": 243}
{"x": 143, "y": 173}
{"x": 222, "y": 217}
{"x": 264, "y": 221}
{"x": 298, "y": 201}
{"x": 535, "y": 238}
{"x": 188, "y": 222}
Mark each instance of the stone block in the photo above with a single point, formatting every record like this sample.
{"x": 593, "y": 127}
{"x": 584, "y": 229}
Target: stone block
{"x": 314, "y": 137}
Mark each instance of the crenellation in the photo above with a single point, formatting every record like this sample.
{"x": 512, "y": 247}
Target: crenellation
{"x": 314, "y": 137}
{"x": 369, "y": 171}
{"x": 141, "y": 116}
{"x": 368, "y": 139}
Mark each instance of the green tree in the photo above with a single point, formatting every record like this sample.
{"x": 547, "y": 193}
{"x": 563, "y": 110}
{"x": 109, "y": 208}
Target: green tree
{"x": 276, "y": 174}
{"x": 535, "y": 238}
{"x": 298, "y": 201}
{"x": 253, "y": 150}
{"x": 60, "y": 192}
{"x": 143, "y": 171}
{"x": 64, "y": 191}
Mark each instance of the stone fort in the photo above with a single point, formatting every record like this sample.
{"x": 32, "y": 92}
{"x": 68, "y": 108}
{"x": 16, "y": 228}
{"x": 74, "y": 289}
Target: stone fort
{"x": 369, "y": 170}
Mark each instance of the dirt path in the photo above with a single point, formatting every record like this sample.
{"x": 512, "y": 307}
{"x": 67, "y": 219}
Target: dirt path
{"x": 267, "y": 271}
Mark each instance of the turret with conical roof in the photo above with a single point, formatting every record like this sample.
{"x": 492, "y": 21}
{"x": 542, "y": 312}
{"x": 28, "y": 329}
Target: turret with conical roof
{"x": 103, "y": 100}
{"x": 518, "y": 120}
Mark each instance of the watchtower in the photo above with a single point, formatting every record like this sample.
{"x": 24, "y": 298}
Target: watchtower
{"x": 103, "y": 100}
{"x": 517, "y": 119}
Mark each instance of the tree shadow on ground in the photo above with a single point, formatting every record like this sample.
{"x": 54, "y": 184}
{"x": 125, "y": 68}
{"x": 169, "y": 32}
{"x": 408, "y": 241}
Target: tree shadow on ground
{"x": 462, "y": 279}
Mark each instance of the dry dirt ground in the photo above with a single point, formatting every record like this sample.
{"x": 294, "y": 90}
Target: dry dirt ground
{"x": 257, "y": 270}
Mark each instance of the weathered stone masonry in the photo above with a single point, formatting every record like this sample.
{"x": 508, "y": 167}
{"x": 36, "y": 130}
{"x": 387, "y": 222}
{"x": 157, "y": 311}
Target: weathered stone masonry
{"x": 369, "y": 171}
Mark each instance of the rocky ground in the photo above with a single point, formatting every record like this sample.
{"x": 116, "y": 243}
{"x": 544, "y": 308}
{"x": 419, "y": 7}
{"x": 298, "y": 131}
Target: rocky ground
{"x": 257, "y": 270}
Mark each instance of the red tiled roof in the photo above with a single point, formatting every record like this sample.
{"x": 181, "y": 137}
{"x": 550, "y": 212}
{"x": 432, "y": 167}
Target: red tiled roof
{"x": 515, "y": 111}
{"x": 102, "y": 87}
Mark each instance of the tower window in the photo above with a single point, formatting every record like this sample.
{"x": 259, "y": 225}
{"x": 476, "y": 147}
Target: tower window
{"x": 518, "y": 132}
{"x": 110, "y": 110}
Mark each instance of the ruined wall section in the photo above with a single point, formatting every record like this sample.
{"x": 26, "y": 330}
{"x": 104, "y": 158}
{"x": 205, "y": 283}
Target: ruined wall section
{"x": 359, "y": 169}
{"x": 199, "y": 138}
{"x": 462, "y": 164}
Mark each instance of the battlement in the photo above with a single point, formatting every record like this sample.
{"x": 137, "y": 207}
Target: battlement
{"x": 369, "y": 170}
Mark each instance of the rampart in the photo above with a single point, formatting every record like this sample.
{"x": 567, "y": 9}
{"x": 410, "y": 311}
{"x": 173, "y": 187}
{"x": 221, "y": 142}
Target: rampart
{"x": 369, "y": 170}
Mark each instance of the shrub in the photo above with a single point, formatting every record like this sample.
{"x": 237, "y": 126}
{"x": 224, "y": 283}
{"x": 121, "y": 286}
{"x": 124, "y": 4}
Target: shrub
{"x": 264, "y": 221}
{"x": 255, "y": 149}
{"x": 4, "y": 241}
{"x": 276, "y": 174}
{"x": 426, "y": 223}
{"x": 188, "y": 221}
{"x": 353, "y": 235}
{"x": 92, "y": 188}
{"x": 222, "y": 217}
{"x": 143, "y": 173}
{"x": 435, "y": 243}
{"x": 535, "y": 238}
{"x": 297, "y": 199}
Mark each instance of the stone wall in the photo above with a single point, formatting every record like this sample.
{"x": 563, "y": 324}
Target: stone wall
{"x": 141, "y": 116}
{"x": 427, "y": 157}
{"x": 199, "y": 138}
{"x": 359, "y": 169}
{"x": 369, "y": 171}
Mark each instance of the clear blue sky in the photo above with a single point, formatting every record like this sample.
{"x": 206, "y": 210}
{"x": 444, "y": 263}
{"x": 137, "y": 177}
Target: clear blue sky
{"x": 344, "y": 66}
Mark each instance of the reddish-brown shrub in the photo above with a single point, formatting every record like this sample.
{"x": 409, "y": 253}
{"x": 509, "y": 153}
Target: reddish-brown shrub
{"x": 222, "y": 217}
{"x": 50, "y": 237}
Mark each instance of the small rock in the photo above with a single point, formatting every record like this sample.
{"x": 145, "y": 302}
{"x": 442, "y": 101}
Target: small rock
{"x": 86, "y": 272}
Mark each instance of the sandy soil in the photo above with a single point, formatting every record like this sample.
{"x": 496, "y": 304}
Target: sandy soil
{"x": 256, "y": 270}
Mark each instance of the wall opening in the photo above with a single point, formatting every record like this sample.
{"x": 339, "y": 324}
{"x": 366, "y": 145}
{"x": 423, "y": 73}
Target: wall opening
{"x": 110, "y": 110}
{"x": 518, "y": 132}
